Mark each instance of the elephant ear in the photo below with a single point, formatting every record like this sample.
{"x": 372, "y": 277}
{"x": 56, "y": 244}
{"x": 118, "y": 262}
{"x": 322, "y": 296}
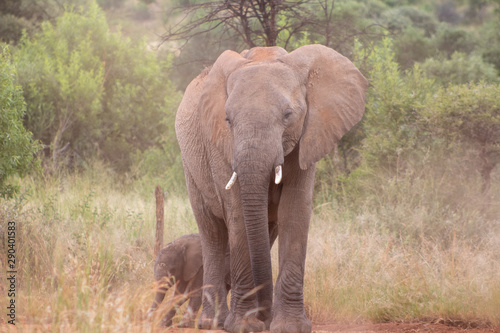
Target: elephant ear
{"x": 335, "y": 99}
{"x": 213, "y": 98}
{"x": 193, "y": 260}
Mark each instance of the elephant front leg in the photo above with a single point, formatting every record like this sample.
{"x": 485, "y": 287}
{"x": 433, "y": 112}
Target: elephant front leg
{"x": 194, "y": 293}
{"x": 243, "y": 314}
{"x": 294, "y": 216}
{"x": 159, "y": 296}
{"x": 174, "y": 303}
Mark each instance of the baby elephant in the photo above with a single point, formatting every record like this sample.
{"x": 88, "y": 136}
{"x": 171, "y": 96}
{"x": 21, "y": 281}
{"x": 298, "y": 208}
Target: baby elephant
{"x": 180, "y": 265}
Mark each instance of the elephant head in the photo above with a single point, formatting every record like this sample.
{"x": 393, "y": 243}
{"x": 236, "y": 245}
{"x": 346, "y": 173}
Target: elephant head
{"x": 265, "y": 104}
{"x": 179, "y": 260}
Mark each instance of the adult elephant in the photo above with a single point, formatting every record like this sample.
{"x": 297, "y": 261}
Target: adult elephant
{"x": 265, "y": 117}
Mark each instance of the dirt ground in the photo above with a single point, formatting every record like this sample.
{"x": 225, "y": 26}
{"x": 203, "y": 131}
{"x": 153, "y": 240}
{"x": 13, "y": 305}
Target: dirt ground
{"x": 385, "y": 327}
{"x": 327, "y": 328}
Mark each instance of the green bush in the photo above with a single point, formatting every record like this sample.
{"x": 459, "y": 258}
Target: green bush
{"x": 11, "y": 27}
{"x": 469, "y": 116}
{"x": 412, "y": 46}
{"x": 397, "y": 19}
{"x": 450, "y": 39}
{"x": 489, "y": 43}
{"x": 460, "y": 69}
{"x": 16, "y": 144}
{"x": 492, "y": 56}
{"x": 392, "y": 110}
{"x": 91, "y": 92}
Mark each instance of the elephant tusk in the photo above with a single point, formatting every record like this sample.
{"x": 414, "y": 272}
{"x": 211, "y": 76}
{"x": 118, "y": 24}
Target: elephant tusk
{"x": 231, "y": 181}
{"x": 278, "y": 175}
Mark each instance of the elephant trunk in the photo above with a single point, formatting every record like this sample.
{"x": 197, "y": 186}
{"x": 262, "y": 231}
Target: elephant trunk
{"x": 256, "y": 167}
{"x": 254, "y": 200}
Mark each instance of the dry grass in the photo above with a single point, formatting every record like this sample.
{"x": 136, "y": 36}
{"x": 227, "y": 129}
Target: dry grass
{"x": 352, "y": 276}
{"x": 85, "y": 258}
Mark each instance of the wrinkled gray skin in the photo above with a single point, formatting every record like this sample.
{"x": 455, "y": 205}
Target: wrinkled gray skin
{"x": 249, "y": 113}
{"x": 180, "y": 263}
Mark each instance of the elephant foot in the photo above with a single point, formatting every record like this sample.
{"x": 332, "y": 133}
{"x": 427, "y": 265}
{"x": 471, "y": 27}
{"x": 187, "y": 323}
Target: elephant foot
{"x": 165, "y": 323}
{"x": 244, "y": 324}
{"x": 209, "y": 323}
{"x": 186, "y": 323}
{"x": 265, "y": 317}
{"x": 291, "y": 324}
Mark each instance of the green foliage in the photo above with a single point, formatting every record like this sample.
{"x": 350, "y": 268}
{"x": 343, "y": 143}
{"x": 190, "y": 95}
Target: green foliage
{"x": 93, "y": 92}
{"x": 469, "y": 113}
{"x": 450, "y": 39}
{"x": 19, "y": 15}
{"x": 11, "y": 27}
{"x": 490, "y": 43}
{"x": 492, "y": 56}
{"x": 392, "y": 110}
{"x": 460, "y": 69}
{"x": 199, "y": 52}
{"x": 447, "y": 12}
{"x": 107, "y": 4}
{"x": 412, "y": 46}
{"x": 346, "y": 24}
{"x": 16, "y": 144}
{"x": 399, "y": 18}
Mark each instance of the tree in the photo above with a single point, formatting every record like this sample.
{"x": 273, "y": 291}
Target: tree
{"x": 63, "y": 80}
{"x": 203, "y": 30}
{"x": 254, "y": 21}
{"x": 91, "y": 92}
{"x": 271, "y": 23}
{"x": 17, "y": 146}
{"x": 19, "y": 15}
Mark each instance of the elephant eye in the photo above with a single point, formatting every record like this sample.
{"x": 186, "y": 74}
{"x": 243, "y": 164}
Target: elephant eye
{"x": 288, "y": 113}
{"x": 228, "y": 121}
{"x": 162, "y": 264}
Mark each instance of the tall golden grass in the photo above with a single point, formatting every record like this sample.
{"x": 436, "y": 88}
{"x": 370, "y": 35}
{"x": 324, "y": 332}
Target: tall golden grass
{"x": 85, "y": 256}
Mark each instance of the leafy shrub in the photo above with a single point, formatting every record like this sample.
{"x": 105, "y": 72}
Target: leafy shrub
{"x": 489, "y": 44}
{"x": 107, "y": 4}
{"x": 412, "y": 46}
{"x": 450, "y": 39}
{"x": 469, "y": 115}
{"x": 447, "y": 12}
{"x": 392, "y": 110}
{"x": 16, "y": 144}
{"x": 11, "y": 27}
{"x": 492, "y": 56}
{"x": 460, "y": 69}
{"x": 91, "y": 92}
{"x": 397, "y": 19}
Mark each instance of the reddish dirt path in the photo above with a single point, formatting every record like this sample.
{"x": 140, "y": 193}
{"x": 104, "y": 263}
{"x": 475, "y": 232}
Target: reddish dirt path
{"x": 369, "y": 328}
